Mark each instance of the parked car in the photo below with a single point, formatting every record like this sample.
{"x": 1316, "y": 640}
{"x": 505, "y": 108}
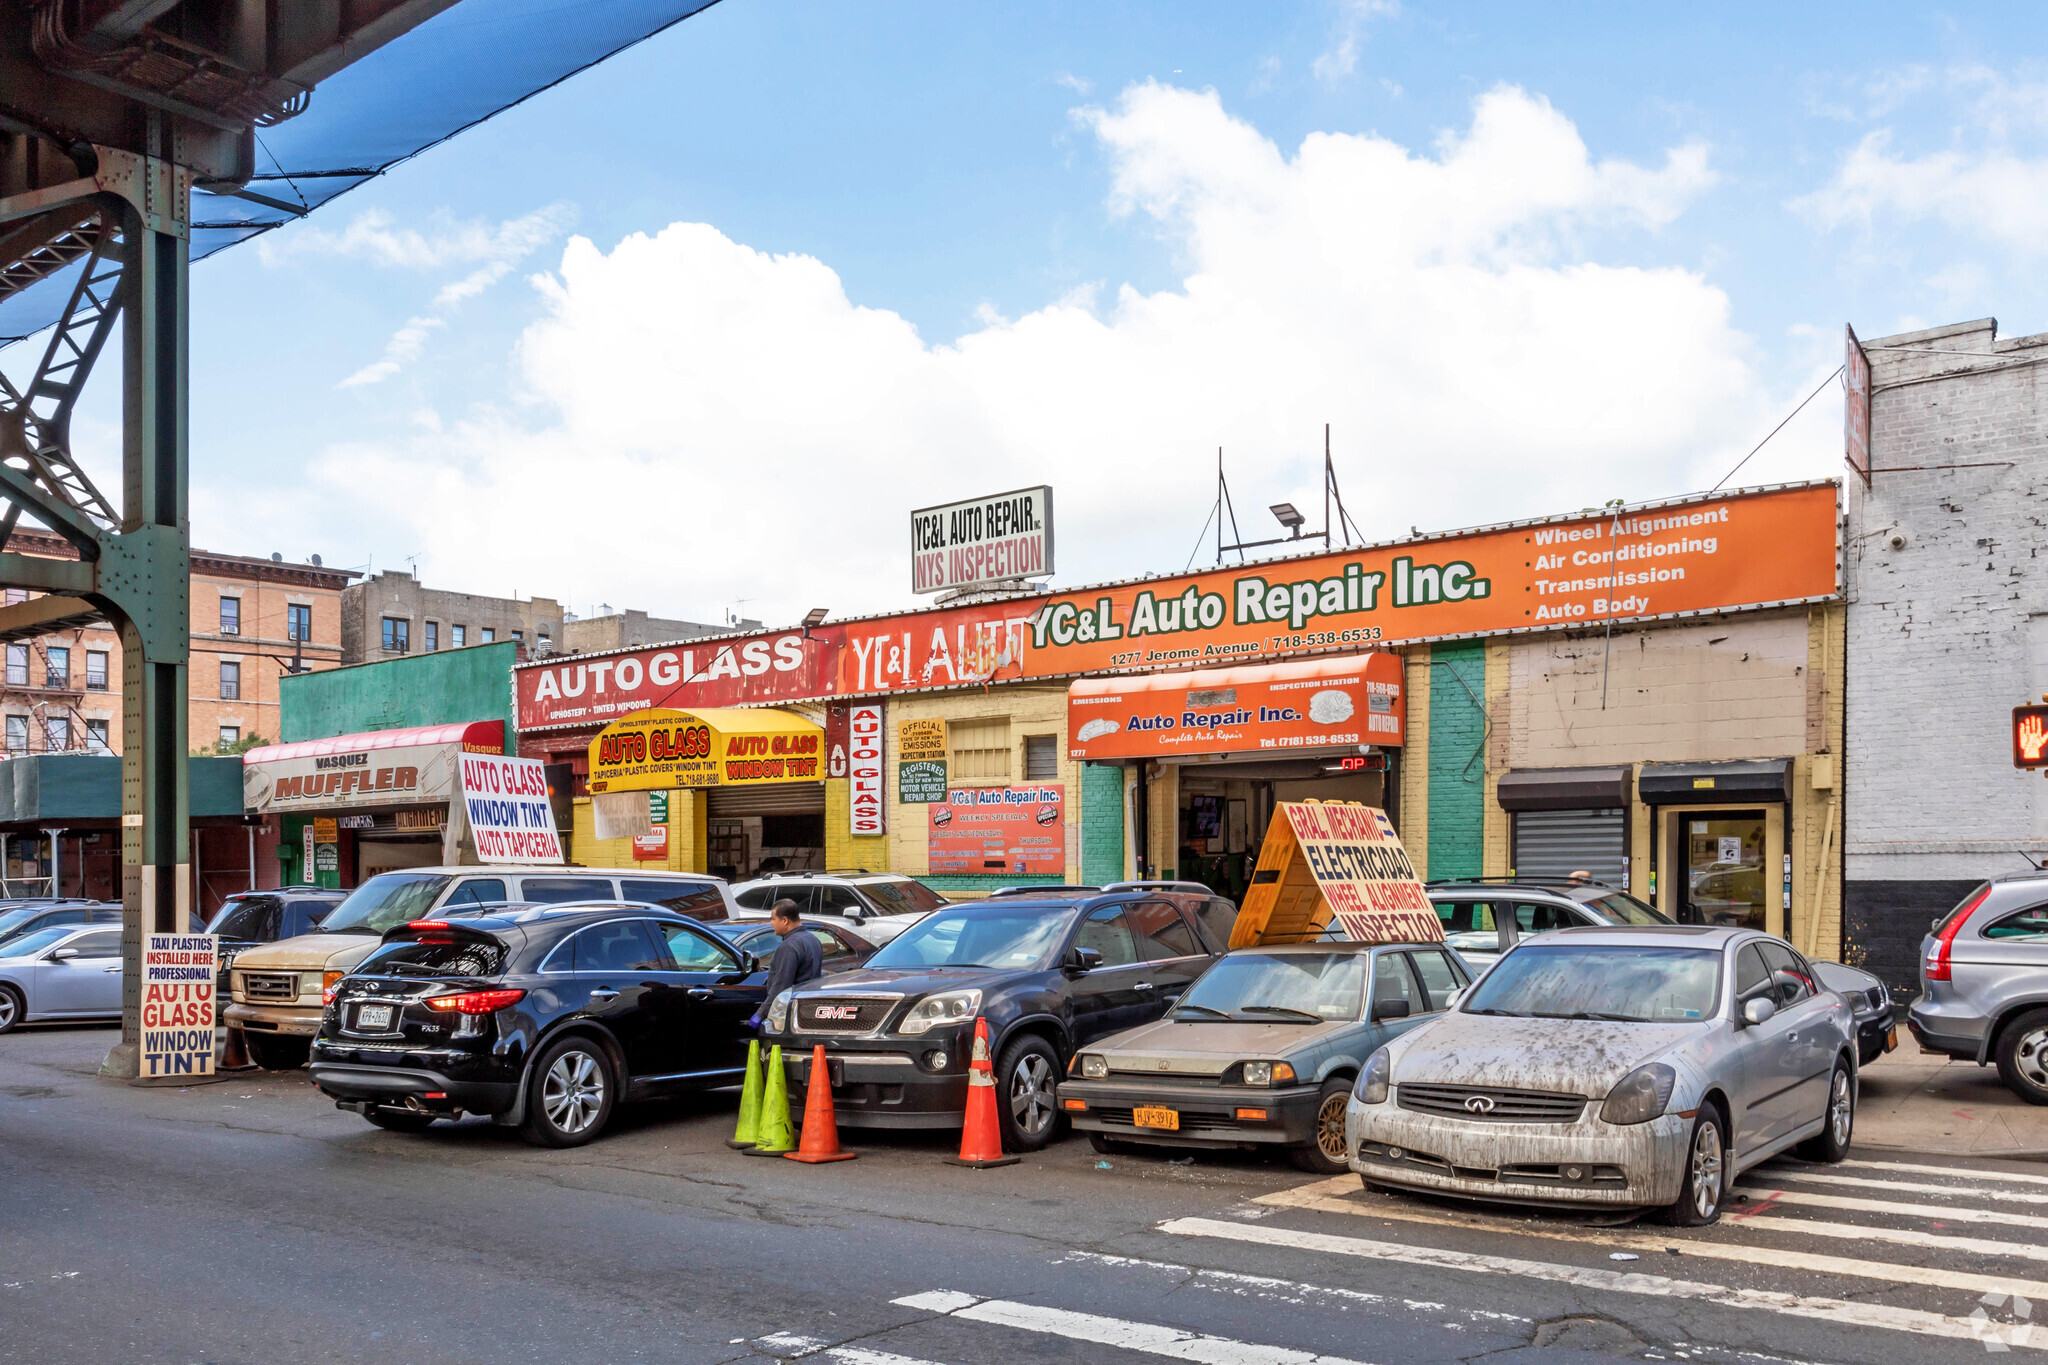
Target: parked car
{"x": 1984, "y": 983}
{"x": 276, "y": 988}
{"x": 1876, "y": 1027}
{"x": 544, "y": 1017}
{"x": 843, "y": 949}
{"x": 248, "y": 919}
{"x": 1048, "y": 975}
{"x": 21, "y": 918}
{"x": 1261, "y": 1051}
{"x": 1628, "y": 1068}
{"x": 1484, "y": 917}
{"x": 876, "y": 905}
{"x": 64, "y": 971}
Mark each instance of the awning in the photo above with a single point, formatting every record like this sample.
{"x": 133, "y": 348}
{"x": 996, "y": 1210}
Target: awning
{"x": 377, "y": 768}
{"x": 84, "y": 790}
{"x": 1564, "y": 789}
{"x": 1336, "y": 702}
{"x": 1716, "y": 784}
{"x": 712, "y": 746}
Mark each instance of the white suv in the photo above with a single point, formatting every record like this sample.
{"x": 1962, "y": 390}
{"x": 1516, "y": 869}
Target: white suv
{"x": 876, "y": 905}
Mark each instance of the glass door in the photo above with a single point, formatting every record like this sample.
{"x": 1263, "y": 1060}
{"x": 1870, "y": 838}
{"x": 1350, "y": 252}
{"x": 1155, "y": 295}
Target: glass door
{"x": 1722, "y": 864}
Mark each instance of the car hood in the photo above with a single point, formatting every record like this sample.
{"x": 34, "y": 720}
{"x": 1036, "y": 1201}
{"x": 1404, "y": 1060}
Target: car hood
{"x": 1560, "y": 1056}
{"x": 908, "y": 981}
{"x": 1206, "y": 1047}
{"x": 308, "y": 953}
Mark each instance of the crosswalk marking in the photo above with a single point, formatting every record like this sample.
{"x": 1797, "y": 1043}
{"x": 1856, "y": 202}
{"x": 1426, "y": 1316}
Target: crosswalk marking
{"x": 1293, "y": 1291}
{"x": 2011, "y": 1177}
{"x": 1146, "y": 1337}
{"x": 1949, "y": 1213}
{"x": 1910, "y": 1186}
{"x": 1324, "y": 1197}
{"x": 1842, "y": 1311}
{"x": 788, "y": 1345}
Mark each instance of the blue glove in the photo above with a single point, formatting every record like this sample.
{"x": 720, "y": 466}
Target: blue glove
{"x": 754, "y": 1022}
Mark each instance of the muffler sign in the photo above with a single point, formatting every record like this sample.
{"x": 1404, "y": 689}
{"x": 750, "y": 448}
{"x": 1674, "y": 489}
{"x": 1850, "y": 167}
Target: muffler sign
{"x": 178, "y": 974}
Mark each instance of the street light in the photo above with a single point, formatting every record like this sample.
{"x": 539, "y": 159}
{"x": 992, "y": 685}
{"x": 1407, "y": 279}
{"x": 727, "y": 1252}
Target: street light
{"x": 1285, "y": 514}
{"x": 814, "y": 617}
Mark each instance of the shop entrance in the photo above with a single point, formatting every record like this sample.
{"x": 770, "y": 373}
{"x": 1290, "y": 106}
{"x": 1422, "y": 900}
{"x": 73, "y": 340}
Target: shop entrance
{"x": 1225, "y": 808}
{"x": 771, "y": 827}
{"x": 1721, "y": 866}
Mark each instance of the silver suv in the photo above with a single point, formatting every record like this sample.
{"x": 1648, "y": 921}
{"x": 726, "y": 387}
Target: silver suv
{"x": 875, "y": 905}
{"x": 1484, "y": 917}
{"x": 1984, "y": 983}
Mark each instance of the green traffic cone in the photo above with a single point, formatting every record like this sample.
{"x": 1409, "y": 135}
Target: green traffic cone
{"x": 744, "y": 1131}
{"x": 773, "y": 1133}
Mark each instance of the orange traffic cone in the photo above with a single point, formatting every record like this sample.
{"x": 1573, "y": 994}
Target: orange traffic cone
{"x": 821, "y": 1129}
{"x": 981, "y": 1136}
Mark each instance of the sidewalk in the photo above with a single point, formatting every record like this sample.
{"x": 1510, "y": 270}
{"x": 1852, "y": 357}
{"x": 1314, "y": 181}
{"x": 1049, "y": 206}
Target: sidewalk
{"x": 1930, "y": 1104}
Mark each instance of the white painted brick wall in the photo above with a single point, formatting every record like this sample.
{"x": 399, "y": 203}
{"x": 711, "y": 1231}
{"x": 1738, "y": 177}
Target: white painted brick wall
{"x": 1939, "y": 636}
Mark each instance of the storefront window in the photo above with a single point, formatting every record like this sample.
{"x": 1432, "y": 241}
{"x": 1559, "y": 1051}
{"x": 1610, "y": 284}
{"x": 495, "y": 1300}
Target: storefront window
{"x": 980, "y": 749}
{"x": 1724, "y": 871}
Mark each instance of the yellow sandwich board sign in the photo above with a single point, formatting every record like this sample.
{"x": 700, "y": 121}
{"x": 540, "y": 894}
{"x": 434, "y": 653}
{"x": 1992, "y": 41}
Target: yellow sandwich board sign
{"x": 1325, "y": 860}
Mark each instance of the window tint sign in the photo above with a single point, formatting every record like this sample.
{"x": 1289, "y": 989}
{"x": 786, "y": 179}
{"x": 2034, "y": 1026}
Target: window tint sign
{"x": 510, "y": 816}
{"x": 178, "y": 975}
{"x": 990, "y": 830}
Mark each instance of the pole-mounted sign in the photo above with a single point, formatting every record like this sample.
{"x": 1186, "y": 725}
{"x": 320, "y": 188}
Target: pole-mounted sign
{"x": 2030, "y": 736}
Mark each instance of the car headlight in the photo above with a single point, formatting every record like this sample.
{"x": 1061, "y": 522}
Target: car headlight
{"x": 1641, "y": 1095}
{"x": 1267, "y": 1073}
{"x": 1094, "y": 1066}
{"x": 313, "y": 983}
{"x": 947, "y": 1007}
{"x": 1373, "y": 1082}
{"x": 777, "y": 1017}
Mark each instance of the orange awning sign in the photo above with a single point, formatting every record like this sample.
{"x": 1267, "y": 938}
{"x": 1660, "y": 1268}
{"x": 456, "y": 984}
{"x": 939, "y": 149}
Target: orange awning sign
{"x": 1334, "y": 860}
{"x": 1344, "y": 702}
{"x": 711, "y": 746}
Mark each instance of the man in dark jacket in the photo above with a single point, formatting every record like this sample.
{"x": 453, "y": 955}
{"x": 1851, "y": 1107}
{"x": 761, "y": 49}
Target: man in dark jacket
{"x": 798, "y": 959}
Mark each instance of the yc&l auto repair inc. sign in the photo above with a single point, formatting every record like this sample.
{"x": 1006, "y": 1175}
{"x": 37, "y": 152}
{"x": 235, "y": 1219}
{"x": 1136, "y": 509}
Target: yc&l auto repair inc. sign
{"x": 985, "y": 540}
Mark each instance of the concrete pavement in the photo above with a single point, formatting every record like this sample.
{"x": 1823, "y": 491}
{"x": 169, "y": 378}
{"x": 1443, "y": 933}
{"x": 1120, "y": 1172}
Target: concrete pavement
{"x": 1920, "y": 1102}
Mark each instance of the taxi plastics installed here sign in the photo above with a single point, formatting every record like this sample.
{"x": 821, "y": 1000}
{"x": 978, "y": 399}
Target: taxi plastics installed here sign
{"x": 510, "y": 816}
{"x": 178, "y": 975}
{"x": 1330, "y": 858}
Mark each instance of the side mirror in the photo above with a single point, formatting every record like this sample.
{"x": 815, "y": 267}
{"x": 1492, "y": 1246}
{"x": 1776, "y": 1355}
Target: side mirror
{"x": 1935, "y": 927}
{"x": 1082, "y": 960}
{"x": 856, "y": 913}
{"x": 63, "y": 954}
{"x": 1451, "y": 1000}
{"x": 1389, "y": 1009}
{"x": 1759, "y": 1010}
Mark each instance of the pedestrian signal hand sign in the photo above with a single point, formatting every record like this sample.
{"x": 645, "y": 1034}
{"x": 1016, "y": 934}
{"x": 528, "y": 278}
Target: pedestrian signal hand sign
{"x": 2030, "y": 736}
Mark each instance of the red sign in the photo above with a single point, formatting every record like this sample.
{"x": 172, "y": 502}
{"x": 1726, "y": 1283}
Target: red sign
{"x": 651, "y": 848}
{"x": 1856, "y": 411}
{"x": 2030, "y": 736}
{"x": 996, "y": 830}
{"x": 867, "y": 801}
{"x": 596, "y": 690}
{"x": 1340, "y": 702}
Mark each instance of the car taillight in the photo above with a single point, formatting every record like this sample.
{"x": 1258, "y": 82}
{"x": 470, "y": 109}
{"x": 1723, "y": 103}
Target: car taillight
{"x": 1937, "y": 964}
{"x": 429, "y": 924}
{"x": 474, "y": 1002}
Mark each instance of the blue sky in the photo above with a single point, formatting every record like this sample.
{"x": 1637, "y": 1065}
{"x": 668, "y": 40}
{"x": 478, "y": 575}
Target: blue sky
{"x": 946, "y": 249}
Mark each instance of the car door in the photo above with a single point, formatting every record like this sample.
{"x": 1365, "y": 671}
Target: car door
{"x": 1767, "y": 1069}
{"x": 718, "y": 998}
{"x": 1105, "y": 996}
{"x": 841, "y": 903}
{"x": 1810, "y": 1038}
{"x": 1397, "y": 1001}
{"x": 1167, "y": 942}
{"x": 616, "y": 965}
{"x": 88, "y": 982}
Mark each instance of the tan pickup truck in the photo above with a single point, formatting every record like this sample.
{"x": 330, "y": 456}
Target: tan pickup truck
{"x": 278, "y": 990}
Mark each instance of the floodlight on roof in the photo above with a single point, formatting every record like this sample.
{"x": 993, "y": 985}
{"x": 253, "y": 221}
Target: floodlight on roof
{"x": 1285, "y": 514}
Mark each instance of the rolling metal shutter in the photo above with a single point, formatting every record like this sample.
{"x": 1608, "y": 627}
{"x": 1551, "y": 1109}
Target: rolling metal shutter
{"x": 770, "y": 798}
{"x": 1557, "y": 843}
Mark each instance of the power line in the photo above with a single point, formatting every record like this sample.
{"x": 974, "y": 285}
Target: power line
{"x": 1780, "y": 427}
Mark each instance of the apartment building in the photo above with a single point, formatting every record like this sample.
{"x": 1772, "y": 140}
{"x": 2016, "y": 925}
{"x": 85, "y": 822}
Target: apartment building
{"x": 391, "y": 615}
{"x": 61, "y": 691}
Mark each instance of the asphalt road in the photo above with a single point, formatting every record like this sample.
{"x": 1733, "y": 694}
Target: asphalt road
{"x": 248, "y": 1220}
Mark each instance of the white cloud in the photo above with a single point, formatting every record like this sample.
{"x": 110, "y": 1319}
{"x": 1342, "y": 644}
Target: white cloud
{"x": 1340, "y": 59}
{"x": 404, "y": 347}
{"x": 698, "y": 421}
{"x": 1079, "y": 85}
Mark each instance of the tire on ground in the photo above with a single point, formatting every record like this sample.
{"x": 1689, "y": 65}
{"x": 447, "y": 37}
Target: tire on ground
{"x": 1706, "y": 1160}
{"x": 12, "y": 1008}
{"x": 1315, "y": 1155}
{"x": 571, "y": 1093}
{"x": 2022, "y": 1054}
{"x": 1838, "y": 1119}
{"x": 1026, "y": 1075}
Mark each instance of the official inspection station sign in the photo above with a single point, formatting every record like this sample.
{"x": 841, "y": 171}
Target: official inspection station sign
{"x": 511, "y": 819}
{"x": 1325, "y": 860}
{"x": 1002, "y": 538}
{"x": 178, "y": 974}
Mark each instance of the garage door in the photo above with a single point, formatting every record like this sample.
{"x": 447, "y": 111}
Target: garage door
{"x": 1557, "y": 843}
{"x": 770, "y": 798}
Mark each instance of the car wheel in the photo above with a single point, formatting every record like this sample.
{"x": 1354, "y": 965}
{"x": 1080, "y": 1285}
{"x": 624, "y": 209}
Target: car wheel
{"x": 1325, "y": 1154}
{"x": 573, "y": 1092}
{"x": 1838, "y": 1120}
{"x": 277, "y": 1054}
{"x": 12, "y": 1009}
{"x": 2023, "y": 1056}
{"x": 400, "y": 1120}
{"x": 1706, "y": 1172}
{"x": 1025, "y": 1077}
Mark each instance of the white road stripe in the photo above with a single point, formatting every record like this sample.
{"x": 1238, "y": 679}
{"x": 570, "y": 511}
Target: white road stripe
{"x": 1909, "y": 1186}
{"x": 1623, "y": 1239}
{"x": 1292, "y": 1291}
{"x": 1841, "y": 1311}
{"x": 2010, "y": 1176}
{"x": 1147, "y": 1337}
{"x": 1952, "y": 1213}
{"x": 789, "y": 1345}
{"x": 861, "y": 1355}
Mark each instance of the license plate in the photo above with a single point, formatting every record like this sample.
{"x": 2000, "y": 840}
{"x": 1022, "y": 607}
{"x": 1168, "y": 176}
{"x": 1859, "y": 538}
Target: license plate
{"x": 371, "y": 1018}
{"x": 1156, "y": 1118}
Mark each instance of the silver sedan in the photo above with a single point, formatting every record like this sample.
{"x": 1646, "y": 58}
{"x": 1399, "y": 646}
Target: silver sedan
{"x": 65, "y": 972}
{"x": 1619, "y": 1067}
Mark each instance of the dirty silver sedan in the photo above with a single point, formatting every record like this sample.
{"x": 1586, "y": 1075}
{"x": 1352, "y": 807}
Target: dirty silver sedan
{"x": 1629, "y": 1068}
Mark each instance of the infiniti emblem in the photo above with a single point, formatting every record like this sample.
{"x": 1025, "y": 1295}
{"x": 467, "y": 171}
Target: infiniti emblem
{"x": 1479, "y": 1104}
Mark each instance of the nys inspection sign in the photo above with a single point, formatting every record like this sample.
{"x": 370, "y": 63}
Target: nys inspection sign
{"x": 1325, "y": 860}
{"x": 178, "y": 974}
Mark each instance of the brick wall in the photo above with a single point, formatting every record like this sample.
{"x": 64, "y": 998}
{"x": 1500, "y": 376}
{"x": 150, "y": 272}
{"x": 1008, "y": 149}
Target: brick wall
{"x": 1102, "y": 824}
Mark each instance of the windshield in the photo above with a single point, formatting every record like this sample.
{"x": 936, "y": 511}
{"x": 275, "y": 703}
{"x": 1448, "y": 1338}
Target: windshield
{"x": 1020, "y": 939}
{"x": 385, "y": 901}
{"x": 1619, "y": 907}
{"x": 13, "y": 919}
{"x": 1573, "y": 981}
{"x": 436, "y": 957}
{"x": 1302, "y": 988}
{"x": 28, "y": 945}
{"x": 902, "y": 898}
{"x": 253, "y": 919}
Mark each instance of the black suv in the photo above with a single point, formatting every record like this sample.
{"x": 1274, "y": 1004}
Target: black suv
{"x": 248, "y": 918}
{"x": 1048, "y": 975}
{"x": 544, "y": 1017}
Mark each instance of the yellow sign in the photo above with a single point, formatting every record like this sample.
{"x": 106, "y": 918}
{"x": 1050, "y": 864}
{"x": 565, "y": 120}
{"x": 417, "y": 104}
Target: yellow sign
{"x": 920, "y": 740}
{"x": 1334, "y": 859}
{"x": 712, "y": 746}
{"x": 326, "y": 831}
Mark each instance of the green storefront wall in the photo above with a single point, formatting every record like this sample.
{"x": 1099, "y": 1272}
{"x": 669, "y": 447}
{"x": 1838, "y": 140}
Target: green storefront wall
{"x": 444, "y": 687}
{"x": 1457, "y": 759}
{"x": 61, "y": 788}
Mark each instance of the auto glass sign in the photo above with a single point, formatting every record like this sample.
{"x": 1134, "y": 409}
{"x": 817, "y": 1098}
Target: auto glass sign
{"x": 511, "y": 819}
{"x": 1331, "y": 859}
{"x": 1004, "y": 537}
{"x": 178, "y": 975}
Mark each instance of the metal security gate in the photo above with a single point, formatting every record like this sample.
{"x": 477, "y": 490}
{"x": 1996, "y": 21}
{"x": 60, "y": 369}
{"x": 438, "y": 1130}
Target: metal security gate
{"x": 1557, "y": 843}
{"x": 769, "y": 798}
